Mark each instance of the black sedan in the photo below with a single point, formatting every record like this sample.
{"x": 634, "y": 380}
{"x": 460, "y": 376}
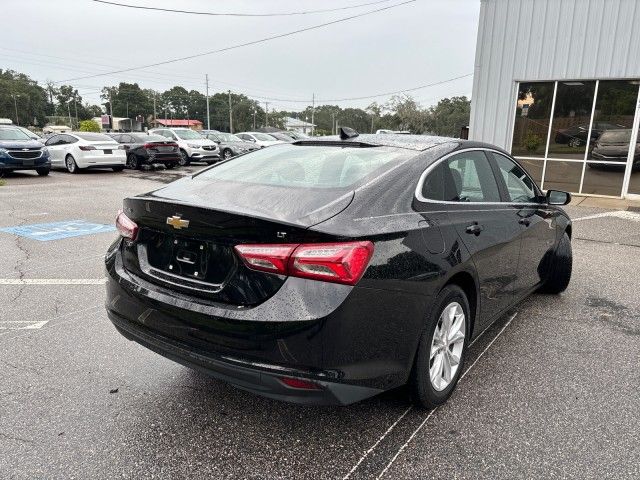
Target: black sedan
{"x": 143, "y": 149}
{"x": 329, "y": 270}
{"x": 230, "y": 145}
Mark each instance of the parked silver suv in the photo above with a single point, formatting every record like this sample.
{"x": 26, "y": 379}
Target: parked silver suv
{"x": 193, "y": 146}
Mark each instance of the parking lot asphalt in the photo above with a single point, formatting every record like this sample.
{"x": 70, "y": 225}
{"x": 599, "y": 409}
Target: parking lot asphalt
{"x": 550, "y": 390}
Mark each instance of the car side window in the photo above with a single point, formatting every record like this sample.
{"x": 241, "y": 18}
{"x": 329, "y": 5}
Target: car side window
{"x": 465, "y": 177}
{"x": 55, "y": 140}
{"x": 68, "y": 139}
{"x": 520, "y": 187}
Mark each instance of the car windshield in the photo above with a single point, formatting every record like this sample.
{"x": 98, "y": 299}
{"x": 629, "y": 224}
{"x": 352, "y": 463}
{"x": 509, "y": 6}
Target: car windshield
{"x": 306, "y": 166}
{"x": 93, "y": 137}
{"x": 188, "y": 135}
{"x": 263, "y": 137}
{"x": 12, "y": 134}
{"x": 228, "y": 137}
{"x": 616, "y": 136}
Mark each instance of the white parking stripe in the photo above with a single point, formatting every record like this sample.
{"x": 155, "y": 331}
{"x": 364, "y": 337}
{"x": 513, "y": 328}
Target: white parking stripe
{"x": 424, "y": 422}
{"x": 623, "y": 214}
{"x": 44, "y": 322}
{"x": 373, "y": 447}
{"x": 53, "y": 281}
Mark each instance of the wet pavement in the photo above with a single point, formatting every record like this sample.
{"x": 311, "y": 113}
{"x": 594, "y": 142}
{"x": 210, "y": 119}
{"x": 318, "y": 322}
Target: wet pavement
{"x": 550, "y": 390}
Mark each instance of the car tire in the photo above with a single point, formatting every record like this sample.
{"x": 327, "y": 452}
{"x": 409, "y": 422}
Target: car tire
{"x": 43, "y": 172}
{"x": 560, "y": 268}
{"x": 227, "y": 154}
{"x": 429, "y": 383}
{"x": 575, "y": 142}
{"x": 118, "y": 168}
{"x": 132, "y": 162}
{"x": 169, "y": 166}
{"x": 184, "y": 161}
{"x": 70, "y": 164}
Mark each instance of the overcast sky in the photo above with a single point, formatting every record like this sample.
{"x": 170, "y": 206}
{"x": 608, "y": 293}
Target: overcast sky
{"x": 415, "y": 44}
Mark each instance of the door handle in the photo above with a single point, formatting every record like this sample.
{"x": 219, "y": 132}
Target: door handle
{"x": 474, "y": 229}
{"x": 524, "y": 221}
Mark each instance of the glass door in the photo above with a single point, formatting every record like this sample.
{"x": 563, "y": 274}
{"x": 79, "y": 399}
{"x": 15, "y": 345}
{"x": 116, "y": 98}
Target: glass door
{"x": 632, "y": 179}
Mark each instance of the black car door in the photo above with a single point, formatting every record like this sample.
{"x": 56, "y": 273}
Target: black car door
{"x": 487, "y": 230}
{"x": 535, "y": 218}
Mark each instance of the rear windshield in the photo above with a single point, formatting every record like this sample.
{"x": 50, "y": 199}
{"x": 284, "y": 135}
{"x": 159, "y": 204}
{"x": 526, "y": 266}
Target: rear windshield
{"x": 149, "y": 138}
{"x": 93, "y": 137}
{"x": 12, "y": 134}
{"x": 263, "y": 137}
{"x": 307, "y": 166}
{"x": 616, "y": 136}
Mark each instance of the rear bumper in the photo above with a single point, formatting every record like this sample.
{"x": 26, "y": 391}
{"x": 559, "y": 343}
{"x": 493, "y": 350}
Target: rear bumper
{"x": 261, "y": 379}
{"x": 115, "y": 159}
{"x": 353, "y": 342}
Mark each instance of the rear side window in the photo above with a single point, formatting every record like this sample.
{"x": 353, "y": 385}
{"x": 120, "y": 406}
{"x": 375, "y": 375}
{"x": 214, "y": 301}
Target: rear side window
{"x": 307, "y": 166}
{"x": 465, "y": 177}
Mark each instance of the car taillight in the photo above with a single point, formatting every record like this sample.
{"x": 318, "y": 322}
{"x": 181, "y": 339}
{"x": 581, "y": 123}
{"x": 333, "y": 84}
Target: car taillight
{"x": 267, "y": 258}
{"x": 343, "y": 262}
{"x": 127, "y": 227}
{"x": 149, "y": 145}
{"x": 86, "y": 148}
{"x": 299, "y": 383}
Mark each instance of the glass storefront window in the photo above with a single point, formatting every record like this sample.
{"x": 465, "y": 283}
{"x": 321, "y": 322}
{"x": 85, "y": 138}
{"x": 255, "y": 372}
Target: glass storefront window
{"x": 571, "y": 118}
{"x": 563, "y": 175}
{"x": 585, "y": 155}
{"x": 533, "y": 113}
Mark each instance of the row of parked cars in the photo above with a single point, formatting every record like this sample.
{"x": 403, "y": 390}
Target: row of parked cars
{"x": 20, "y": 149}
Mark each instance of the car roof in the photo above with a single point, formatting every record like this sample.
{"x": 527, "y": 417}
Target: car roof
{"x": 411, "y": 142}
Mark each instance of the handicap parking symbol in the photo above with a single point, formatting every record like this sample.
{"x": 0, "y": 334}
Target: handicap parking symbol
{"x": 45, "y": 232}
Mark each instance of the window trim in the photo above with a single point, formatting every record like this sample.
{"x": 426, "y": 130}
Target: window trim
{"x": 430, "y": 168}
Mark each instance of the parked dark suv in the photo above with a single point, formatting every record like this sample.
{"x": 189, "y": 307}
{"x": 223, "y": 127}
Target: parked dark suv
{"x": 19, "y": 152}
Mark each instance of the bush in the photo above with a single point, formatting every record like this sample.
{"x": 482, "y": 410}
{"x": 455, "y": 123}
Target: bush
{"x": 532, "y": 142}
{"x": 89, "y": 126}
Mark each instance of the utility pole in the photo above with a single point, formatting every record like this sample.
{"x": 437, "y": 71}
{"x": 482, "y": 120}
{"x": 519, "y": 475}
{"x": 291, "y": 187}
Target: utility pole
{"x": 313, "y": 113}
{"x": 75, "y": 106}
{"x": 266, "y": 113}
{"x": 15, "y": 104}
{"x": 206, "y": 77}
{"x": 154, "y": 108}
{"x": 69, "y": 112}
{"x": 230, "y": 114}
{"x": 111, "y": 108}
{"x": 254, "y": 117}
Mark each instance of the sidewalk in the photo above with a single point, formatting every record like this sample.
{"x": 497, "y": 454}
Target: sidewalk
{"x": 611, "y": 203}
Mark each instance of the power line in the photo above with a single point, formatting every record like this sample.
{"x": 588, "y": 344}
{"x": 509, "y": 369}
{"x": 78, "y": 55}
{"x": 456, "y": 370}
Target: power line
{"x": 231, "y": 14}
{"x": 240, "y": 45}
{"x": 366, "y": 97}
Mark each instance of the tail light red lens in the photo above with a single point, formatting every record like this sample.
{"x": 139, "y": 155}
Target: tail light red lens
{"x": 86, "y": 148}
{"x": 299, "y": 383}
{"x": 343, "y": 262}
{"x": 267, "y": 258}
{"x": 127, "y": 227}
{"x": 149, "y": 146}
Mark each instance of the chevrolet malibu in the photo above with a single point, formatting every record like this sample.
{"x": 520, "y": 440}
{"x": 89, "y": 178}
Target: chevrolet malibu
{"x": 328, "y": 270}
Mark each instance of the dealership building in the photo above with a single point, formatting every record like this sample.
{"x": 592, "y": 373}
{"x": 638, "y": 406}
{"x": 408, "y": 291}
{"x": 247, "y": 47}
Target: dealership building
{"x": 557, "y": 84}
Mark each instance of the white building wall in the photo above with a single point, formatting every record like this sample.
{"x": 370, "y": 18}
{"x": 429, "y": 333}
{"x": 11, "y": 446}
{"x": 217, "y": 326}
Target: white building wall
{"x": 523, "y": 40}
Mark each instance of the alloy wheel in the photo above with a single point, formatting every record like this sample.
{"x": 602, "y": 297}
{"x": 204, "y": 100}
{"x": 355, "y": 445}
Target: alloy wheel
{"x": 184, "y": 160}
{"x": 226, "y": 154}
{"x": 71, "y": 164}
{"x": 446, "y": 346}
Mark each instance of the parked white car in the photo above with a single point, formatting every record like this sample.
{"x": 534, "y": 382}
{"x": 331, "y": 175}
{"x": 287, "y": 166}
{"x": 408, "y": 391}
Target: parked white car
{"x": 193, "y": 146}
{"x": 79, "y": 150}
{"x": 261, "y": 139}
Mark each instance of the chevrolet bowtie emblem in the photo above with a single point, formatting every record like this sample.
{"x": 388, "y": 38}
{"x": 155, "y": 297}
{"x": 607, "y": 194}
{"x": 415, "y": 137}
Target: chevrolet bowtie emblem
{"x": 177, "y": 222}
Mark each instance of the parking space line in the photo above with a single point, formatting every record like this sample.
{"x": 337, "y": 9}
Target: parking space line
{"x": 385, "y": 434}
{"x": 75, "y": 312}
{"x": 623, "y": 214}
{"x": 424, "y": 422}
{"x": 53, "y": 281}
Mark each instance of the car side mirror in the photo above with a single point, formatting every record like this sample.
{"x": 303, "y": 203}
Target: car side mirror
{"x": 557, "y": 197}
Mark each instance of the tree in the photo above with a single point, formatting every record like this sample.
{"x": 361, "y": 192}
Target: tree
{"x": 19, "y": 92}
{"x": 449, "y": 116}
{"x": 129, "y": 100}
{"x": 407, "y": 114}
{"x": 89, "y": 126}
